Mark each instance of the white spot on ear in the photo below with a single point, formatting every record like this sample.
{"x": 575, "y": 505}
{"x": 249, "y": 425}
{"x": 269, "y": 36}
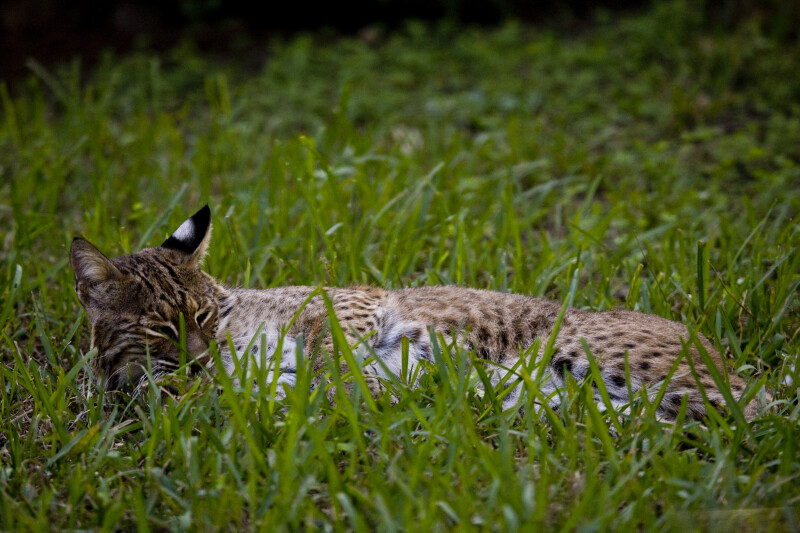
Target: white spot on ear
{"x": 185, "y": 232}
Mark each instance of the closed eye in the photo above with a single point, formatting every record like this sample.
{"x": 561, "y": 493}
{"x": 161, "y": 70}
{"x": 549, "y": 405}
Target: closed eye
{"x": 163, "y": 330}
{"x": 169, "y": 332}
{"x": 202, "y": 317}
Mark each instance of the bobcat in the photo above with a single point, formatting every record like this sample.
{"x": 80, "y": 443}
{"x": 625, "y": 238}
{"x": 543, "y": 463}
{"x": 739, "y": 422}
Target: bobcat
{"x": 134, "y": 302}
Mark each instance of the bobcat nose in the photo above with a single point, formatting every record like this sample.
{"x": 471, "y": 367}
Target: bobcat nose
{"x": 195, "y": 345}
{"x": 198, "y": 348}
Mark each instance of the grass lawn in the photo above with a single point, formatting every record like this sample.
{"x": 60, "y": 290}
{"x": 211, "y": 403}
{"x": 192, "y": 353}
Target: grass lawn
{"x": 643, "y": 163}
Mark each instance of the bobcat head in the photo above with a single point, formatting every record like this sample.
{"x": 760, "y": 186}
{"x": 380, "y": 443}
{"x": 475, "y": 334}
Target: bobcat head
{"x": 134, "y": 303}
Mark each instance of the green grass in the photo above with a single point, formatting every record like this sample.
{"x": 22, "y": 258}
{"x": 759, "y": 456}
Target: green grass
{"x": 643, "y": 163}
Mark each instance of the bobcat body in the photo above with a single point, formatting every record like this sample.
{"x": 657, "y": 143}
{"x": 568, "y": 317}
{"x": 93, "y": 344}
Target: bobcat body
{"x": 134, "y": 302}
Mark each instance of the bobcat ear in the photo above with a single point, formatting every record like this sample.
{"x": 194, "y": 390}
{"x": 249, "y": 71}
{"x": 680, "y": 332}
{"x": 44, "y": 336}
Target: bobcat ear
{"x": 91, "y": 269}
{"x": 89, "y": 264}
{"x": 191, "y": 238}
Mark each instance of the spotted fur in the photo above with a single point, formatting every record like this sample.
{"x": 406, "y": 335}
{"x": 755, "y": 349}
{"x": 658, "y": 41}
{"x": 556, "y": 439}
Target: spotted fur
{"x": 134, "y": 303}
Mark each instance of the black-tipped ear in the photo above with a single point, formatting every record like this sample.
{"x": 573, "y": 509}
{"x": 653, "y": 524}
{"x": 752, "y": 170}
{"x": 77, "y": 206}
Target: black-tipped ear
{"x": 191, "y": 238}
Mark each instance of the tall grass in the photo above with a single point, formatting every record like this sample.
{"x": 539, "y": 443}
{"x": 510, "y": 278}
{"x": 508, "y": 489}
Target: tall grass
{"x": 640, "y": 164}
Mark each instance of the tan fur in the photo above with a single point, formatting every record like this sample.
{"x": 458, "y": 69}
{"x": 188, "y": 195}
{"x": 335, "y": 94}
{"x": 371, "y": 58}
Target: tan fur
{"x": 134, "y": 302}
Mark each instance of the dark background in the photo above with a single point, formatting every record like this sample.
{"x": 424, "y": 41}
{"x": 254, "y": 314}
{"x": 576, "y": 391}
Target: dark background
{"x": 53, "y": 31}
